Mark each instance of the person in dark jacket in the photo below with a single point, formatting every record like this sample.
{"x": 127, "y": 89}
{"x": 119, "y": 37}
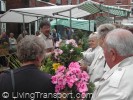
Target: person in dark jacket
{"x": 27, "y": 82}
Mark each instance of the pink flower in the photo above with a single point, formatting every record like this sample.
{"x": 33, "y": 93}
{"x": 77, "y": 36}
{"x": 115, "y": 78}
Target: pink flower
{"x": 84, "y": 76}
{"x": 75, "y": 71}
{"x": 54, "y": 79}
{"x": 57, "y": 88}
{"x": 73, "y": 76}
{"x": 62, "y": 81}
{"x": 70, "y": 81}
{"x": 82, "y": 87}
{"x": 58, "y": 52}
{"x": 62, "y": 87}
{"x": 74, "y": 65}
{"x": 73, "y": 42}
{"x": 57, "y": 44}
{"x": 61, "y": 69}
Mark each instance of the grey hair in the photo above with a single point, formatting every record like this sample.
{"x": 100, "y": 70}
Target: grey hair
{"x": 92, "y": 35}
{"x": 104, "y": 29}
{"x": 29, "y": 48}
{"x": 121, "y": 40}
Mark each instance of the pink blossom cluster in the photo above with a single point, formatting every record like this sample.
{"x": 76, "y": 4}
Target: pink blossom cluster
{"x": 72, "y": 41}
{"x": 58, "y": 51}
{"x": 58, "y": 43}
{"x": 72, "y": 76}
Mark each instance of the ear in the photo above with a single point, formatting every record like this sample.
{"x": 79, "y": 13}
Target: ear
{"x": 113, "y": 55}
{"x": 37, "y": 58}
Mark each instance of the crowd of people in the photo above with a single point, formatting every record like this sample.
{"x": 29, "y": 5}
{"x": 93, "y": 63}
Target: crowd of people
{"x": 108, "y": 61}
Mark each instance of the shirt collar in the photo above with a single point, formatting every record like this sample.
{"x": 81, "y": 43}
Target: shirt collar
{"x": 123, "y": 63}
{"x": 25, "y": 67}
{"x": 45, "y": 37}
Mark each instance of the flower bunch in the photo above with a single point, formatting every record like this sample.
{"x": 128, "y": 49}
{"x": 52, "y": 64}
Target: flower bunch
{"x": 71, "y": 78}
{"x": 67, "y": 51}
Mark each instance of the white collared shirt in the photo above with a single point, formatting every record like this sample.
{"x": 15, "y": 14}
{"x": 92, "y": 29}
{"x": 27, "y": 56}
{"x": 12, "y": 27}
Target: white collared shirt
{"x": 97, "y": 67}
{"x": 117, "y": 83}
{"x": 48, "y": 42}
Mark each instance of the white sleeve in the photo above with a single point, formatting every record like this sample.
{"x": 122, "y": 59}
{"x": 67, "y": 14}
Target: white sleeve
{"x": 88, "y": 56}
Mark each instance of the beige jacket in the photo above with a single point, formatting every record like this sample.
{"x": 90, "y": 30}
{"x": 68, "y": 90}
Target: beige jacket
{"x": 98, "y": 66}
{"x": 117, "y": 83}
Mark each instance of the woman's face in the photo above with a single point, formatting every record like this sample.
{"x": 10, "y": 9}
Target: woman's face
{"x": 93, "y": 42}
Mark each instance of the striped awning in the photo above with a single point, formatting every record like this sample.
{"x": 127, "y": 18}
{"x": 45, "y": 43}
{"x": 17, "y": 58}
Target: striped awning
{"x": 94, "y": 7}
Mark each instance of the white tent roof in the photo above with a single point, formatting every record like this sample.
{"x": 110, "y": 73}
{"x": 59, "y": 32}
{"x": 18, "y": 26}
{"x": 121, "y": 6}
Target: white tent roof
{"x": 47, "y": 10}
{"x": 14, "y": 17}
{"x": 31, "y": 14}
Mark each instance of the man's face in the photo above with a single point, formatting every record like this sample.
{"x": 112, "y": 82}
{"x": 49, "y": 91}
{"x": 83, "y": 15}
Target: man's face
{"x": 11, "y": 35}
{"x": 108, "y": 55}
{"x": 45, "y": 30}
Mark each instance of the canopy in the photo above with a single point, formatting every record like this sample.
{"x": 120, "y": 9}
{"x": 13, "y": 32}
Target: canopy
{"x": 93, "y": 7}
{"x": 86, "y": 8}
{"x": 32, "y": 14}
{"x": 75, "y": 13}
{"x": 76, "y": 23}
{"x": 15, "y": 17}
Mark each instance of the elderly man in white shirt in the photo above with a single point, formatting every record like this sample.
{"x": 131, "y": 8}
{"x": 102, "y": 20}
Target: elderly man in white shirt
{"x": 98, "y": 67}
{"x": 117, "y": 84}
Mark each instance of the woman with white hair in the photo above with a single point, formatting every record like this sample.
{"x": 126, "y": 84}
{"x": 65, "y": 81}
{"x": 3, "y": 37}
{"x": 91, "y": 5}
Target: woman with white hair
{"x": 89, "y": 54}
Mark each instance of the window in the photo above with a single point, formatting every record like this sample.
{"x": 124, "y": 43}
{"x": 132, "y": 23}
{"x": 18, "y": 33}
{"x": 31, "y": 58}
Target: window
{"x": 69, "y": 2}
{"x": 58, "y": 2}
{"x": 26, "y": 3}
{"x": 2, "y": 6}
{"x": 118, "y": 2}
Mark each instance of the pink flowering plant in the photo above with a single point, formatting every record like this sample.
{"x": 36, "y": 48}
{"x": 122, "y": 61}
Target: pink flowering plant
{"x": 67, "y": 51}
{"x": 71, "y": 79}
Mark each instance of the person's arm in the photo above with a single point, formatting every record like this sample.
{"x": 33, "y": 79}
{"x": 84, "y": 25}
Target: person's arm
{"x": 88, "y": 57}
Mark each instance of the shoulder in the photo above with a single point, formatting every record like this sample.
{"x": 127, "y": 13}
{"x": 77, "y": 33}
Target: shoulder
{"x": 4, "y": 75}
{"x": 122, "y": 78}
{"x": 45, "y": 74}
{"x": 46, "y": 78}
